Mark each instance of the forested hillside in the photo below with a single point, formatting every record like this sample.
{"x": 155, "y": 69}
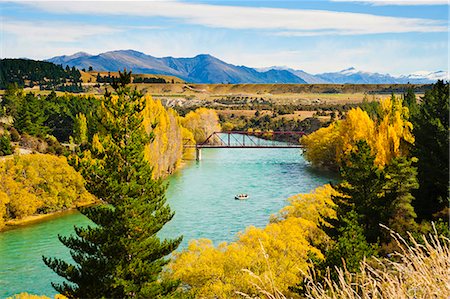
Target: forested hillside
{"x": 46, "y": 75}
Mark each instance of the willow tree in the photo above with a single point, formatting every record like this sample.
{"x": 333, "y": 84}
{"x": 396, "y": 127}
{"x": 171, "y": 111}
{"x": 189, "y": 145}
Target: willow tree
{"x": 121, "y": 256}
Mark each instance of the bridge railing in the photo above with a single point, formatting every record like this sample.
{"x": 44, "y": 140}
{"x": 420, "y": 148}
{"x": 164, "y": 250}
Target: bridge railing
{"x": 251, "y": 139}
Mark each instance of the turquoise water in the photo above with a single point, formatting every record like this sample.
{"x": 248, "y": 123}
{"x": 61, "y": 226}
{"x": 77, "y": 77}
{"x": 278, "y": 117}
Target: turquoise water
{"x": 202, "y": 196}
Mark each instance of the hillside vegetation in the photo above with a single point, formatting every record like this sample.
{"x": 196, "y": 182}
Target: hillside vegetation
{"x": 39, "y": 184}
{"x": 46, "y": 75}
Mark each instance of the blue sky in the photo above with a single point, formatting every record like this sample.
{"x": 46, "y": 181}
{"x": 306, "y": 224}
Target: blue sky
{"x": 387, "y": 36}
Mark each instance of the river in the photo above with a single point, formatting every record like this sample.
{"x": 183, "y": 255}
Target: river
{"x": 202, "y": 196}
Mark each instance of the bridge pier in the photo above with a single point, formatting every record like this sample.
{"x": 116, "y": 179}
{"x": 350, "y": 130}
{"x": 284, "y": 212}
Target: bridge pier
{"x": 198, "y": 154}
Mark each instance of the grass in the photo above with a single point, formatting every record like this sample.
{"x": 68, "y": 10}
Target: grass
{"x": 419, "y": 270}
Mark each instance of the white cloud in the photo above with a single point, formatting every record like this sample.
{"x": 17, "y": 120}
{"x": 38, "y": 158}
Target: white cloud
{"x": 398, "y": 2}
{"x": 54, "y": 31}
{"x": 383, "y": 56}
{"x": 284, "y": 21}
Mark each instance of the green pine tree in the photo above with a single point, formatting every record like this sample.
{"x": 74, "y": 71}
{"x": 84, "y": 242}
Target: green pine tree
{"x": 410, "y": 101}
{"x": 31, "y": 116}
{"x": 121, "y": 256}
{"x": 351, "y": 246}
{"x": 400, "y": 180}
{"x": 5, "y": 145}
{"x": 362, "y": 189}
{"x": 431, "y": 131}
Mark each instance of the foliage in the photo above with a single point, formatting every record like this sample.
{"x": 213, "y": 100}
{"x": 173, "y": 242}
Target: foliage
{"x": 80, "y": 130}
{"x": 121, "y": 257}
{"x": 202, "y": 123}
{"x": 38, "y": 115}
{"x": 415, "y": 271}
{"x": 376, "y": 195}
{"x": 288, "y": 243}
{"x": 410, "y": 101}
{"x": 39, "y": 183}
{"x": 266, "y": 123}
{"x": 386, "y": 135}
{"x": 431, "y": 130}
{"x": 217, "y": 272}
{"x": 31, "y": 116}
{"x": 351, "y": 246}
{"x": 5, "y": 145}
{"x": 4, "y": 201}
{"x": 28, "y": 73}
{"x": 164, "y": 153}
{"x": 317, "y": 207}
{"x": 321, "y": 146}
{"x": 400, "y": 180}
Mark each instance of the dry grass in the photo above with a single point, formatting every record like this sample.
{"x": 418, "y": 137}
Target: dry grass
{"x": 415, "y": 271}
{"x": 419, "y": 270}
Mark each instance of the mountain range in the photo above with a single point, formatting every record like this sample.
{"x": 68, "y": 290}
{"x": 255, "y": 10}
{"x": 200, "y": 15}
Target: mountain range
{"x": 205, "y": 68}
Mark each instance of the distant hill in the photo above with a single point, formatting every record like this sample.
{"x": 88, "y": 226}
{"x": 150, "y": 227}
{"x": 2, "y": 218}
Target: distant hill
{"x": 309, "y": 78}
{"x": 46, "y": 75}
{"x": 202, "y": 68}
{"x": 205, "y": 68}
{"x": 351, "y": 75}
{"x": 354, "y": 76}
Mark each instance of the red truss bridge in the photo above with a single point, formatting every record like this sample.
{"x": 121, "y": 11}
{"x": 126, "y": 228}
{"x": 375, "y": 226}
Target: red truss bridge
{"x": 249, "y": 139}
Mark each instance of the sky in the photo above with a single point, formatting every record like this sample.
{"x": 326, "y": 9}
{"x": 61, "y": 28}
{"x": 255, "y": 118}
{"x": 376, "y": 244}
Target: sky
{"x": 386, "y": 36}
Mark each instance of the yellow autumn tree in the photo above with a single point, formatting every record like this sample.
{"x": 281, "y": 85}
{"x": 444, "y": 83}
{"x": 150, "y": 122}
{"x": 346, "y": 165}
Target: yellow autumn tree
{"x": 202, "y": 123}
{"x": 316, "y": 207}
{"x": 385, "y": 135}
{"x": 167, "y": 149}
{"x": 393, "y": 131}
{"x": 38, "y": 183}
{"x": 165, "y": 152}
{"x": 321, "y": 146}
{"x": 281, "y": 250}
{"x": 217, "y": 272}
{"x": 4, "y": 200}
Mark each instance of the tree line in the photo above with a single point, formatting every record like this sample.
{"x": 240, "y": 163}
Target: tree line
{"x": 46, "y": 75}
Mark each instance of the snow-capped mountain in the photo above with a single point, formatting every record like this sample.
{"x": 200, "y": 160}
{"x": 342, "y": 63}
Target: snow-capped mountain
{"x": 205, "y": 68}
{"x": 433, "y": 76}
{"x": 352, "y": 75}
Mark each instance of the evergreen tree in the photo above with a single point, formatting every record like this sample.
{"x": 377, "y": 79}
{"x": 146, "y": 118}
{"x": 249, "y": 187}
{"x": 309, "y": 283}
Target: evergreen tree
{"x": 431, "y": 131}
{"x": 351, "y": 246}
{"x": 362, "y": 191}
{"x": 12, "y": 100}
{"x": 400, "y": 179}
{"x": 5, "y": 145}
{"x": 410, "y": 101}
{"x": 31, "y": 116}
{"x": 121, "y": 256}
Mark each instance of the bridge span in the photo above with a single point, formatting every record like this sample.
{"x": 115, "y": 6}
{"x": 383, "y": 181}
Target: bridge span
{"x": 249, "y": 139}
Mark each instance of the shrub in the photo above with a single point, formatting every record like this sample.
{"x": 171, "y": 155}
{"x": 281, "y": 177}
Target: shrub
{"x": 5, "y": 145}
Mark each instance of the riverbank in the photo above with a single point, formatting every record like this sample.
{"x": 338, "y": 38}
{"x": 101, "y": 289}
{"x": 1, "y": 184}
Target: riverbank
{"x": 33, "y": 219}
